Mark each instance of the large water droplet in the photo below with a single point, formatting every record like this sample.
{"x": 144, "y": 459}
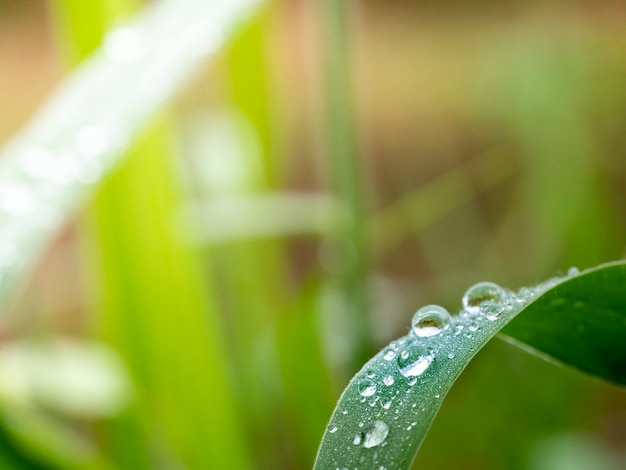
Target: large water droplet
{"x": 375, "y": 434}
{"x": 414, "y": 360}
{"x": 430, "y": 320}
{"x": 479, "y": 293}
{"x": 367, "y": 388}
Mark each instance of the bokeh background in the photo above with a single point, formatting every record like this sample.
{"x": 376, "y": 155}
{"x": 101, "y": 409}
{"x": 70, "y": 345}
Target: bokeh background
{"x": 337, "y": 166}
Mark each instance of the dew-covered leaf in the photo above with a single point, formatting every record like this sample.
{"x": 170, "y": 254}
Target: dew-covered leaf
{"x": 385, "y": 412}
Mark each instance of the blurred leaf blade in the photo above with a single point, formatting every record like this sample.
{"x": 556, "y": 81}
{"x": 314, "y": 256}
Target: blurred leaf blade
{"x": 253, "y": 307}
{"x": 80, "y": 29}
{"x": 385, "y": 412}
{"x": 153, "y": 304}
{"x": 159, "y": 313}
{"x": 84, "y": 128}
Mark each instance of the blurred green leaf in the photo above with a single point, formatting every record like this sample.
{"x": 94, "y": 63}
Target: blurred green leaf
{"x": 81, "y": 379}
{"x": 80, "y": 134}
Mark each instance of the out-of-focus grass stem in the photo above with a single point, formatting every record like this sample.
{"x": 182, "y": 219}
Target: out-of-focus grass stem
{"x": 345, "y": 166}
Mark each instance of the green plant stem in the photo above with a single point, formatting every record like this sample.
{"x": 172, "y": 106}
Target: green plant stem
{"x": 346, "y": 173}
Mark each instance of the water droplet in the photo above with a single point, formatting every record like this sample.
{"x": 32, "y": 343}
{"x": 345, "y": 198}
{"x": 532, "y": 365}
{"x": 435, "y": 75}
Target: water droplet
{"x": 387, "y": 404}
{"x": 451, "y": 355}
{"x": 375, "y": 434}
{"x": 573, "y": 271}
{"x": 430, "y": 320}
{"x": 525, "y": 294}
{"x": 371, "y": 374}
{"x": 344, "y": 412}
{"x": 414, "y": 360}
{"x": 367, "y": 388}
{"x": 388, "y": 380}
{"x": 357, "y": 439}
{"x": 491, "y": 310}
{"x": 389, "y": 354}
{"x": 479, "y": 293}
{"x": 332, "y": 429}
{"x": 473, "y": 327}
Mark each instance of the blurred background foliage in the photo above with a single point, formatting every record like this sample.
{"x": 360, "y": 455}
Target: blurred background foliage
{"x": 339, "y": 165}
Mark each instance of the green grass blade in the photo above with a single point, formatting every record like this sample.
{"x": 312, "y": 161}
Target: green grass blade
{"x": 125, "y": 437}
{"x": 158, "y": 313}
{"x": 386, "y": 410}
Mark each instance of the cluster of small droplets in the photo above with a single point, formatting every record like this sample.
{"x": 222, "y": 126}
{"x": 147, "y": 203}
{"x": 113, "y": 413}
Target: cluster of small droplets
{"x": 492, "y": 310}
{"x": 85, "y": 127}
